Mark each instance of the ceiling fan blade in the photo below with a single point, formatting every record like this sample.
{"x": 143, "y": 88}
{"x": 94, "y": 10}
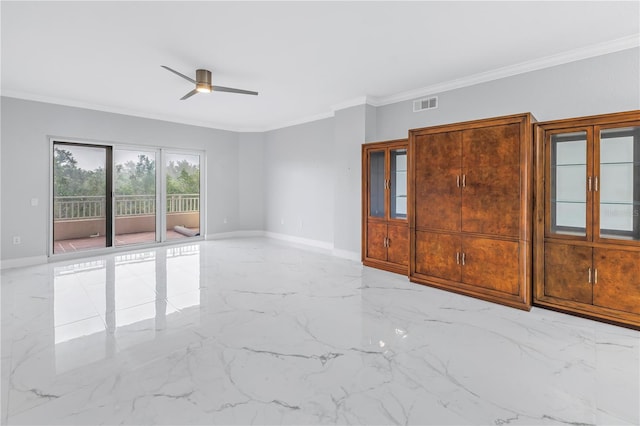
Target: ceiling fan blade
{"x": 179, "y": 73}
{"x": 232, "y": 90}
{"x": 188, "y": 95}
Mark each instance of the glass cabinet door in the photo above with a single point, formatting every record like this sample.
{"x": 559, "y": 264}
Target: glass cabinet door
{"x": 568, "y": 183}
{"x": 618, "y": 183}
{"x": 377, "y": 183}
{"x": 398, "y": 184}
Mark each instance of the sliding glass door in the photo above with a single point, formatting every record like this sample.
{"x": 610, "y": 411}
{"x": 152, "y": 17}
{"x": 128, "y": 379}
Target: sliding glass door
{"x": 106, "y": 196}
{"x": 134, "y": 186}
{"x": 81, "y": 211}
{"x": 182, "y": 173}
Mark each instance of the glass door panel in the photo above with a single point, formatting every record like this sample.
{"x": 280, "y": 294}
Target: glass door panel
{"x": 568, "y": 174}
{"x": 182, "y": 173}
{"x": 376, "y": 183}
{"x": 619, "y": 183}
{"x": 134, "y": 196}
{"x": 398, "y": 184}
{"x": 80, "y": 207}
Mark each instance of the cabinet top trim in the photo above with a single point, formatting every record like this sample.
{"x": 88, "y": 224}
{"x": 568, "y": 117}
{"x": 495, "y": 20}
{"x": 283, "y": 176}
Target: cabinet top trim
{"x": 593, "y": 120}
{"x": 385, "y": 143}
{"x": 526, "y": 118}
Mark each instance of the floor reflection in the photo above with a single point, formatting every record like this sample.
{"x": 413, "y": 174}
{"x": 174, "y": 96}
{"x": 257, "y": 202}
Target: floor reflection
{"x": 131, "y": 291}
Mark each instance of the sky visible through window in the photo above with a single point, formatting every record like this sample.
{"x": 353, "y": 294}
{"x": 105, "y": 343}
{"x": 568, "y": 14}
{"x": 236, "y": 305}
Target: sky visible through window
{"x": 93, "y": 158}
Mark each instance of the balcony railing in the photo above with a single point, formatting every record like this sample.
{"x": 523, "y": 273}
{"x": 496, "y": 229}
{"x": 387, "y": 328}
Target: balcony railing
{"x": 92, "y": 207}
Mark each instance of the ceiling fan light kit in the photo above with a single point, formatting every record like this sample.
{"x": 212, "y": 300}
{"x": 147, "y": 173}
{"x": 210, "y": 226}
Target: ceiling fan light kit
{"x": 203, "y": 84}
{"x": 203, "y": 81}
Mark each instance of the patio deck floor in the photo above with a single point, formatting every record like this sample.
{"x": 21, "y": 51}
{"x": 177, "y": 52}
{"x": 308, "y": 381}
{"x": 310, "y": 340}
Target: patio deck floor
{"x": 79, "y": 244}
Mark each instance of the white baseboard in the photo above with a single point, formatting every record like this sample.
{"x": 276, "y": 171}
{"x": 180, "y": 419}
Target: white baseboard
{"x": 299, "y": 240}
{"x": 346, "y": 254}
{"x": 323, "y": 245}
{"x": 23, "y": 261}
{"x": 234, "y": 234}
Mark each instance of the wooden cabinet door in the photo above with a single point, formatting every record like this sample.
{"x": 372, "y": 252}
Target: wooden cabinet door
{"x": 437, "y": 181}
{"x": 492, "y": 264}
{"x": 618, "y": 279}
{"x": 491, "y": 180}
{"x": 376, "y": 234}
{"x": 566, "y": 272}
{"x": 398, "y": 250}
{"x": 438, "y": 255}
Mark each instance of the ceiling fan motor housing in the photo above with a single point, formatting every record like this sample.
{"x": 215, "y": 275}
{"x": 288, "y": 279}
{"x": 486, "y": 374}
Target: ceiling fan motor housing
{"x": 203, "y": 81}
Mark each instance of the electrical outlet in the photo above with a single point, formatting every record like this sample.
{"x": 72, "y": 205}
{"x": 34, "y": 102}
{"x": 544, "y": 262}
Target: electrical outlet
{"x": 17, "y": 240}
{"x": 34, "y": 202}
{"x": 281, "y": 221}
{"x": 224, "y": 220}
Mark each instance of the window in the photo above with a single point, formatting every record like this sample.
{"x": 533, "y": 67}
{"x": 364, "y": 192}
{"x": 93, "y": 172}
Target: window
{"x": 104, "y": 196}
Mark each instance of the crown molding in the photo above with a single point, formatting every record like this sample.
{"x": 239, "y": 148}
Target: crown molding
{"x": 612, "y": 46}
{"x": 587, "y": 52}
{"x": 302, "y": 120}
{"x": 121, "y": 111}
{"x": 360, "y": 100}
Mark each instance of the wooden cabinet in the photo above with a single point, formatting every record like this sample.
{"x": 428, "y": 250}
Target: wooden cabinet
{"x": 385, "y": 231}
{"x": 471, "y": 210}
{"x": 587, "y": 232}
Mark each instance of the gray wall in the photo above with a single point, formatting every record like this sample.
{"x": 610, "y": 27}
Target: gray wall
{"x": 299, "y": 181}
{"x": 349, "y": 134}
{"x": 600, "y": 85}
{"x": 251, "y": 177}
{"x": 26, "y": 127}
{"x": 303, "y": 181}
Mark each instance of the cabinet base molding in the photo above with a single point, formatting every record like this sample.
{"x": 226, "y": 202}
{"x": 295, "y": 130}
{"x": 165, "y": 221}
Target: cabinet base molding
{"x": 387, "y": 266}
{"x": 478, "y": 293}
{"x": 587, "y": 312}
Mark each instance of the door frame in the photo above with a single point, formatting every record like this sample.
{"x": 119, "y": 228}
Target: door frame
{"x": 161, "y": 238}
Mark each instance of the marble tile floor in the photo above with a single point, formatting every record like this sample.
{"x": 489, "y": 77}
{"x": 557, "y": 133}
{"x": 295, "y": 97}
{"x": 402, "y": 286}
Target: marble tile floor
{"x": 255, "y": 331}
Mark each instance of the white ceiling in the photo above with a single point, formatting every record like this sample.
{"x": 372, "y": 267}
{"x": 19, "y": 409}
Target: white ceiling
{"x": 305, "y": 58}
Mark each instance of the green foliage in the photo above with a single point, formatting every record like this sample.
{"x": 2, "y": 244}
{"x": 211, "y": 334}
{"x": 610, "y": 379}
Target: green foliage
{"x": 130, "y": 178}
{"x": 136, "y": 178}
{"x": 69, "y": 180}
{"x": 183, "y": 178}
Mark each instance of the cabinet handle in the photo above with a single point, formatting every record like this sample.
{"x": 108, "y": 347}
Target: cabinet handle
{"x": 589, "y": 184}
{"x": 464, "y": 181}
{"x": 595, "y": 276}
{"x": 589, "y": 279}
{"x": 463, "y": 257}
{"x": 457, "y": 258}
{"x": 384, "y": 242}
{"x": 596, "y": 185}
{"x": 458, "y": 181}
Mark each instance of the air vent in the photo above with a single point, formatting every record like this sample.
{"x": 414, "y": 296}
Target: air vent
{"x": 425, "y": 103}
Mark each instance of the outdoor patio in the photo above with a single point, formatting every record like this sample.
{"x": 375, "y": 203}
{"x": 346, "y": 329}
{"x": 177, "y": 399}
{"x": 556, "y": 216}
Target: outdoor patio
{"x": 77, "y": 244}
{"x": 80, "y": 223}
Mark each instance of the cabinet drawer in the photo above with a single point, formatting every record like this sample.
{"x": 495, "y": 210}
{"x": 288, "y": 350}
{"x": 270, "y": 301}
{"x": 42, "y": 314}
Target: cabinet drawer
{"x": 436, "y": 255}
{"x": 617, "y": 285}
{"x": 567, "y": 272}
{"x": 491, "y": 264}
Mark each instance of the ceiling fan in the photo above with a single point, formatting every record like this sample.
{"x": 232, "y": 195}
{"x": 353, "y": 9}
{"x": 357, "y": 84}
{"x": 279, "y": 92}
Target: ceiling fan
{"x": 203, "y": 84}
